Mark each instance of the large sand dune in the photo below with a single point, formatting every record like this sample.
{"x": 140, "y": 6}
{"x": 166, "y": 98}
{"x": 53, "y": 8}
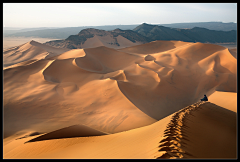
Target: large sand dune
{"x": 188, "y": 133}
{"x": 136, "y": 89}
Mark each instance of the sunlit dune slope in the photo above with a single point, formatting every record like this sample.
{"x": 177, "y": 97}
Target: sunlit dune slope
{"x": 154, "y": 47}
{"x": 112, "y": 90}
{"x": 201, "y": 130}
{"x": 29, "y": 51}
{"x": 184, "y": 74}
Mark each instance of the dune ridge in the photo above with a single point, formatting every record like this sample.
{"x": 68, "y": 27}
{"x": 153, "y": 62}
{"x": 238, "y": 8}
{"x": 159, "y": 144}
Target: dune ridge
{"x": 171, "y": 141}
{"x": 69, "y": 132}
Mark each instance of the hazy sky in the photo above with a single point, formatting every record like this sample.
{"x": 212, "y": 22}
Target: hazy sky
{"x": 94, "y": 14}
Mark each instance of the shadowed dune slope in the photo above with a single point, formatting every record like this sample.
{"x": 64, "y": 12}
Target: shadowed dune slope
{"x": 105, "y": 60}
{"x": 184, "y": 74}
{"x": 233, "y": 52}
{"x": 200, "y": 131}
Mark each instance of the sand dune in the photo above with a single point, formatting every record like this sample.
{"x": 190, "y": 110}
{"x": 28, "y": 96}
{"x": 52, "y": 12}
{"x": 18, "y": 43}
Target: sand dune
{"x": 29, "y": 51}
{"x": 190, "y": 133}
{"x": 125, "y": 93}
{"x": 154, "y": 47}
{"x": 98, "y": 60}
{"x": 69, "y": 132}
{"x": 186, "y": 134}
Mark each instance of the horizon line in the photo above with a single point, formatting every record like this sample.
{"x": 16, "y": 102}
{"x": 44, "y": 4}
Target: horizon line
{"x": 19, "y": 28}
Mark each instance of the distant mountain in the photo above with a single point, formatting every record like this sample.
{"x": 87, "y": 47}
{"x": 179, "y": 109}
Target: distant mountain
{"x": 196, "y": 34}
{"x": 60, "y": 33}
{"x": 155, "y": 32}
{"x": 208, "y": 25}
{"x": 144, "y": 33}
{"x": 88, "y": 38}
{"x": 63, "y": 33}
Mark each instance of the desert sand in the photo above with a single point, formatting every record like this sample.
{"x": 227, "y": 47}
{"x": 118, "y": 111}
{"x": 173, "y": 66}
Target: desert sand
{"x": 29, "y": 52}
{"x": 141, "y": 101}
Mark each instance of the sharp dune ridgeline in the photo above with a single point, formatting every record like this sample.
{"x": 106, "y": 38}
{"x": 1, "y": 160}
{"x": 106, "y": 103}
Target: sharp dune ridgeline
{"x": 138, "y": 100}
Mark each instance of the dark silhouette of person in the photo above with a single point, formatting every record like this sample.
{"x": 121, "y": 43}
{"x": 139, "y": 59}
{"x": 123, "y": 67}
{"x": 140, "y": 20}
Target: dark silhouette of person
{"x": 204, "y": 98}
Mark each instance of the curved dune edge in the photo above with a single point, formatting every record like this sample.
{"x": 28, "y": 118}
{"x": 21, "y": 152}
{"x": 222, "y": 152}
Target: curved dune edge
{"x": 233, "y": 52}
{"x": 199, "y": 131}
{"x": 155, "y": 47}
{"x": 69, "y": 132}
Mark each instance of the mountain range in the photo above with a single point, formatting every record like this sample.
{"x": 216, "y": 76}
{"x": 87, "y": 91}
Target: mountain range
{"x": 63, "y": 33}
{"x": 208, "y": 25}
{"x": 196, "y": 34}
{"x": 143, "y": 33}
{"x": 88, "y": 38}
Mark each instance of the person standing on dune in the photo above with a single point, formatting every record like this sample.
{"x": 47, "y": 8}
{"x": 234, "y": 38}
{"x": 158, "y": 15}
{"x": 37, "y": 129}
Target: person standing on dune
{"x": 204, "y": 98}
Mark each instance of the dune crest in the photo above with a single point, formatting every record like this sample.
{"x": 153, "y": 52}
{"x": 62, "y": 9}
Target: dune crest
{"x": 154, "y": 47}
{"x": 69, "y": 132}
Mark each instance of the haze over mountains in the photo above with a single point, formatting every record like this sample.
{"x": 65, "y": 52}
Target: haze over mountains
{"x": 94, "y": 37}
{"x": 141, "y": 34}
{"x": 220, "y": 26}
{"x": 196, "y": 34}
{"x": 63, "y": 33}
